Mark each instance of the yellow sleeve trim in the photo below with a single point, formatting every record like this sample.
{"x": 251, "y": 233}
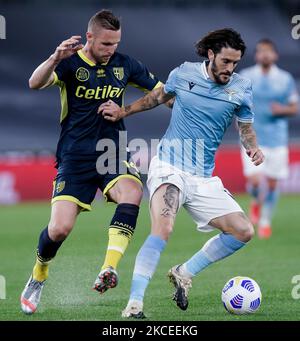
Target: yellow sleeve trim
{"x": 158, "y": 85}
{"x": 55, "y": 81}
{"x": 115, "y": 180}
{"x": 83, "y": 206}
{"x": 146, "y": 91}
{"x": 139, "y": 87}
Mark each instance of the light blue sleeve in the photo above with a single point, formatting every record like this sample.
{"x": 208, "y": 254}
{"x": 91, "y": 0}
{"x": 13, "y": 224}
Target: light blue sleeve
{"x": 245, "y": 113}
{"x": 170, "y": 86}
{"x": 292, "y": 93}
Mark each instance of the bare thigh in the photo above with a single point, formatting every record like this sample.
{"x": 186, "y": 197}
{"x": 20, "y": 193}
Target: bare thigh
{"x": 163, "y": 209}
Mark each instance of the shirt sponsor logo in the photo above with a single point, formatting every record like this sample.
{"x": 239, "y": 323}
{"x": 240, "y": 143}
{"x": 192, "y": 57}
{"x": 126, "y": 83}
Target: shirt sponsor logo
{"x": 107, "y": 91}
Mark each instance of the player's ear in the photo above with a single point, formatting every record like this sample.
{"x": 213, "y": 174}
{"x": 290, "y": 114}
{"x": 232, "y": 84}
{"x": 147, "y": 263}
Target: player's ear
{"x": 210, "y": 55}
{"x": 89, "y": 36}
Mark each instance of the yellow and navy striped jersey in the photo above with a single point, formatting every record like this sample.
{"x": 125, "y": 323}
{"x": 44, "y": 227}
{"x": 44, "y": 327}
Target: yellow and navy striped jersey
{"x": 84, "y": 85}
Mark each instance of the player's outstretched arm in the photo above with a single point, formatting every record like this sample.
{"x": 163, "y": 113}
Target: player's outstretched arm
{"x": 248, "y": 139}
{"x": 43, "y": 75}
{"x": 112, "y": 112}
{"x": 279, "y": 109}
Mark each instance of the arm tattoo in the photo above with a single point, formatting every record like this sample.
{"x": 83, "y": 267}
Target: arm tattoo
{"x": 151, "y": 100}
{"x": 147, "y": 102}
{"x": 127, "y": 109}
{"x": 247, "y": 135}
{"x": 171, "y": 198}
{"x": 170, "y": 103}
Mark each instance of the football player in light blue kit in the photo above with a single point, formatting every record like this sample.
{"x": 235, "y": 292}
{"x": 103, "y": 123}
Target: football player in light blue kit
{"x": 275, "y": 99}
{"x": 207, "y": 96}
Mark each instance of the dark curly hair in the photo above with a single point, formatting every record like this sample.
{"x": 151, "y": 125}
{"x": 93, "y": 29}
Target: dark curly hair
{"x": 216, "y": 40}
{"x": 269, "y": 42}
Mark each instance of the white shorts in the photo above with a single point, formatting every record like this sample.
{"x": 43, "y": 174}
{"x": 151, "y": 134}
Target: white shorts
{"x": 275, "y": 165}
{"x": 203, "y": 198}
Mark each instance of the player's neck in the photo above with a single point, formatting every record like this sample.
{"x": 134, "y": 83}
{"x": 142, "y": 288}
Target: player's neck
{"x": 88, "y": 54}
{"x": 266, "y": 68}
{"x": 210, "y": 73}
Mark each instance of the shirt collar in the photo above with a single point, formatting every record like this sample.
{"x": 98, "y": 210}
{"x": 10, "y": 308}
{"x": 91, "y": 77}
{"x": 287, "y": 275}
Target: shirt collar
{"x": 88, "y": 61}
{"x": 273, "y": 70}
{"x": 204, "y": 70}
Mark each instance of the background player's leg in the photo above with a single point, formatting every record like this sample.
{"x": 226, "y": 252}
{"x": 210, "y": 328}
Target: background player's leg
{"x": 254, "y": 176}
{"x": 63, "y": 217}
{"x": 164, "y": 206}
{"x": 268, "y": 208}
{"x": 254, "y": 190}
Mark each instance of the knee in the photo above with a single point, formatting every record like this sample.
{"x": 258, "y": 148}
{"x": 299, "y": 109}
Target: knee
{"x": 254, "y": 181}
{"x": 272, "y": 185}
{"x": 132, "y": 196}
{"x": 59, "y": 230}
{"x": 163, "y": 230}
{"x": 245, "y": 233}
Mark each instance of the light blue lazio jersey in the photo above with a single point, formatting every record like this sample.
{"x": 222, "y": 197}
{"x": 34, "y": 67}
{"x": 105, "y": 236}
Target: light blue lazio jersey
{"x": 275, "y": 86}
{"x": 201, "y": 114}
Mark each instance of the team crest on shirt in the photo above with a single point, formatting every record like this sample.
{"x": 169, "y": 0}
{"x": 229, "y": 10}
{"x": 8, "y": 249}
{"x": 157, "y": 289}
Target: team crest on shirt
{"x": 60, "y": 186}
{"x": 119, "y": 72}
{"x": 230, "y": 93}
{"x": 82, "y": 74}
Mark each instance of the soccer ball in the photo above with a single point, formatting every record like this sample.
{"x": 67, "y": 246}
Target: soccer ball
{"x": 241, "y": 295}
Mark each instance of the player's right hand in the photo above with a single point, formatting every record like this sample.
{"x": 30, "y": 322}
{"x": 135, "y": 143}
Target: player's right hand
{"x": 67, "y": 48}
{"x": 111, "y": 111}
{"x": 256, "y": 156}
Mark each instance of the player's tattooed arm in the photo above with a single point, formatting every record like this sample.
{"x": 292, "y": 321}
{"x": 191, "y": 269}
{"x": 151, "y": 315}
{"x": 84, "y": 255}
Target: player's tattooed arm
{"x": 247, "y": 135}
{"x": 248, "y": 139}
{"x": 170, "y": 103}
{"x": 151, "y": 100}
{"x": 171, "y": 199}
{"x": 112, "y": 112}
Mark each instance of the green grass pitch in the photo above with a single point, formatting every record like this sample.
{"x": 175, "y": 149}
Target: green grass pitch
{"x": 68, "y": 295}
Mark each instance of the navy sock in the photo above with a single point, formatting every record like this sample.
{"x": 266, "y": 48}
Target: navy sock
{"x": 47, "y": 248}
{"x": 125, "y": 218}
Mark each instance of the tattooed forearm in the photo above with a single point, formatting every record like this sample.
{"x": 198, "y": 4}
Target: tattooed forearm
{"x": 171, "y": 198}
{"x": 147, "y": 102}
{"x": 247, "y": 135}
{"x": 170, "y": 103}
{"x": 151, "y": 100}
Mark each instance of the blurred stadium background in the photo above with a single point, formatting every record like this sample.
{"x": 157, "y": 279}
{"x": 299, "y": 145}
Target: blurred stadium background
{"x": 160, "y": 33}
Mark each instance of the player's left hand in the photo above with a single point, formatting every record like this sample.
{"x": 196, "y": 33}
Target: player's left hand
{"x": 256, "y": 155}
{"x": 277, "y": 109}
{"x": 110, "y": 111}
